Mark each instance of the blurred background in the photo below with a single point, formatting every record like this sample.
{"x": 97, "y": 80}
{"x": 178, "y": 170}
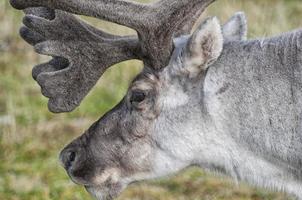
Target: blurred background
{"x": 31, "y": 137}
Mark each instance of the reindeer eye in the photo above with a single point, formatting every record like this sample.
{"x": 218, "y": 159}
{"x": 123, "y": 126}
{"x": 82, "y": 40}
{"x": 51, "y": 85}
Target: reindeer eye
{"x": 137, "y": 97}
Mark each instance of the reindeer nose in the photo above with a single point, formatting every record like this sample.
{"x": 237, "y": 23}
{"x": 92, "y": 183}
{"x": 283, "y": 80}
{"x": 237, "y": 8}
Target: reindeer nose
{"x": 67, "y": 158}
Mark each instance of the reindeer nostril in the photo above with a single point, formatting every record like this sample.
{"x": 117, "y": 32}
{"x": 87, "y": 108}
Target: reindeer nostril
{"x": 72, "y": 156}
{"x": 68, "y": 158}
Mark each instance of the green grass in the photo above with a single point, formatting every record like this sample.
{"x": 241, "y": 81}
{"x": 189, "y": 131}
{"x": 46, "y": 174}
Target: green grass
{"x": 31, "y": 137}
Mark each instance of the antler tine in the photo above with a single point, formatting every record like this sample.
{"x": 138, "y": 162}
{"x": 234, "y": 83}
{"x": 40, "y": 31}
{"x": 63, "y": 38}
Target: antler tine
{"x": 154, "y": 22}
{"x": 178, "y": 12}
{"x": 187, "y": 28}
{"x": 122, "y": 12}
{"x": 81, "y": 54}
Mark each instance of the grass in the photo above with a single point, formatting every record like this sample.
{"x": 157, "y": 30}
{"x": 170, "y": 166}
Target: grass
{"x": 31, "y": 137}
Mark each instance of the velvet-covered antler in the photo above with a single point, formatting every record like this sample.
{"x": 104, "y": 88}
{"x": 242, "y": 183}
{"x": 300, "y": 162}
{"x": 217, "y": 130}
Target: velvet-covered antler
{"x": 154, "y": 22}
{"x": 82, "y": 53}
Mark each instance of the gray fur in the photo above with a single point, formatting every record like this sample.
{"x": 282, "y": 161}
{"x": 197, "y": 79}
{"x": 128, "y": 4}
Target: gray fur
{"x": 236, "y": 27}
{"x": 248, "y": 113}
{"x": 265, "y": 114}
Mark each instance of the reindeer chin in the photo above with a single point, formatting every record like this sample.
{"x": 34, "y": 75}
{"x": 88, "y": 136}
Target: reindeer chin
{"x": 105, "y": 192}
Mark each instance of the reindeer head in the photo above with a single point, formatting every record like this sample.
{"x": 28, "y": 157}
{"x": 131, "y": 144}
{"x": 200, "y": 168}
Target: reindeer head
{"x": 144, "y": 136}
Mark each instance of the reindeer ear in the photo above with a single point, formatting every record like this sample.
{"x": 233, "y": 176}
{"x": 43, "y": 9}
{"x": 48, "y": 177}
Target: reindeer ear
{"x": 236, "y": 27}
{"x": 203, "y": 47}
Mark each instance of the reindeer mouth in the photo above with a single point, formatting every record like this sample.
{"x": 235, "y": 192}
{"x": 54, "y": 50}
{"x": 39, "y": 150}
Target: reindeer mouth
{"x": 99, "y": 193}
{"x": 105, "y": 192}
{"x": 105, "y": 186}
{"x": 78, "y": 181}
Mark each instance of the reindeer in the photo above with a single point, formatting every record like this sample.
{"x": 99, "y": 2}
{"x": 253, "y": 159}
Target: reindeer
{"x": 209, "y": 98}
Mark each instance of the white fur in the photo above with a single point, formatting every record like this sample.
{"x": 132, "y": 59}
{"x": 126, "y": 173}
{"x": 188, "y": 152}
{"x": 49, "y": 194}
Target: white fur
{"x": 205, "y": 46}
{"x": 236, "y": 27}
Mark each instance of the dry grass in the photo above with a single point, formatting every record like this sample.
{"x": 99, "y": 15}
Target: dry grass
{"x": 31, "y": 137}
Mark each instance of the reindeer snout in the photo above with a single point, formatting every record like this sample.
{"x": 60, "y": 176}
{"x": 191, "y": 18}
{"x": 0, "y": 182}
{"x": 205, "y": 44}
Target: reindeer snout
{"x": 67, "y": 158}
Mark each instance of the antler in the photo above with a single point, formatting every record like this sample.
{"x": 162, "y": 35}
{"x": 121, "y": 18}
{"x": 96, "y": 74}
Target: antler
{"x": 81, "y": 52}
{"x": 155, "y": 22}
